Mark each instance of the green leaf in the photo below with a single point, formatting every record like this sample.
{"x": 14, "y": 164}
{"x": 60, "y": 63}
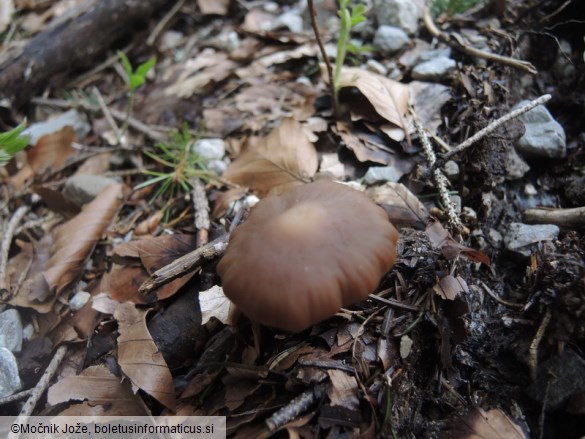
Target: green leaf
{"x": 358, "y": 14}
{"x": 144, "y": 68}
{"x": 11, "y": 142}
{"x": 136, "y": 81}
{"x": 125, "y": 63}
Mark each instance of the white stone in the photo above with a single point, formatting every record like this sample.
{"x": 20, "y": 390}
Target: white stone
{"x": 405, "y": 14}
{"x": 544, "y": 136}
{"x": 79, "y": 300}
{"x": 520, "y": 237}
{"x": 11, "y": 330}
{"x": 434, "y": 69}
{"x": 210, "y": 149}
{"x": 390, "y": 39}
{"x": 9, "y": 378}
{"x": 377, "y": 174}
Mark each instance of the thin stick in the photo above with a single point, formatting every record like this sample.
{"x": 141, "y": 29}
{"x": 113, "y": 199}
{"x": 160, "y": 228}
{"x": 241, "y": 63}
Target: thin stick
{"x": 458, "y": 44}
{"x": 16, "y": 396}
{"x": 165, "y": 20}
{"x": 6, "y": 242}
{"x": 313, "y": 15}
{"x": 438, "y": 177}
{"x": 533, "y": 351}
{"x": 494, "y": 126}
{"x": 499, "y": 299}
{"x": 107, "y": 114}
{"x": 185, "y": 264}
{"x": 39, "y": 389}
{"x": 201, "y": 208}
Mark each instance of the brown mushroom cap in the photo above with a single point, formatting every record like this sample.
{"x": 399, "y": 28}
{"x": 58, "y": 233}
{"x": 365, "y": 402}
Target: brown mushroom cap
{"x": 302, "y": 255}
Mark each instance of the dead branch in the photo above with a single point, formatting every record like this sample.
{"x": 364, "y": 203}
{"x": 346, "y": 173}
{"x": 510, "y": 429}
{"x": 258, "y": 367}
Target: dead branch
{"x": 297, "y": 406}
{"x": 73, "y": 44}
{"x": 458, "y": 44}
{"x": 39, "y": 389}
{"x": 6, "y": 242}
{"x": 185, "y": 264}
{"x": 564, "y": 218}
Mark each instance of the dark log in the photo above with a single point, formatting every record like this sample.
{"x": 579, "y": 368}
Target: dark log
{"x": 74, "y": 44}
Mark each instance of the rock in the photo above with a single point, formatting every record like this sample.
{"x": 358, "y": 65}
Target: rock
{"x": 515, "y": 165}
{"x": 405, "y": 14}
{"x": 79, "y": 300}
{"x": 544, "y": 136}
{"x": 9, "y": 378}
{"x": 70, "y": 118}
{"x": 377, "y": 174}
{"x": 390, "y": 39}
{"x": 428, "y": 98}
{"x": 376, "y": 67}
{"x": 81, "y": 189}
{"x": 210, "y": 149}
{"x": 451, "y": 169}
{"x": 291, "y": 20}
{"x": 11, "y": 330}
{"x": 520, "y": 237}
{"x": 434, "y": 69}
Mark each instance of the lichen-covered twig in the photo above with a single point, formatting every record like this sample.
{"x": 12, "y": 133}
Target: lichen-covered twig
{"x": 438, "y": 177}
{"x": 297, "y": 406}
{"x": 201, "y": 207}
{"x": 6, "y": 242}
{"x": 458, "y": 44}
{"x": 533, "y": 351}
{"x": 39, "y": 389}
{"x": 489, "y": 129}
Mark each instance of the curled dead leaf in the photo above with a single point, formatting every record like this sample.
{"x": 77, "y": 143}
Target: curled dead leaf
{"x": 277, "y": 162}
{"x": 441, "y": 239}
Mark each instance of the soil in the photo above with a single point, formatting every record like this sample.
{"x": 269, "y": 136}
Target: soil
{"x": 508, "y": 351}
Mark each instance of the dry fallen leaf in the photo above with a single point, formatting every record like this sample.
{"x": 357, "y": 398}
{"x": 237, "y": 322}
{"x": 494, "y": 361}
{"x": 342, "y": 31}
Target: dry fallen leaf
{"x": 277, "y": 162}
{"x": 449, "y": 287}
{"x": 6, "y": 11}
{"x": 51, "y": 151}
{"x": 140, "y": 359}
{"x": 388, "y": 97}
{"x": 343, "y": 389}
{"x": 214, "y": 303}
{"x": 99, "y": 387}
{"x": 75, "y": 240}
{"x": 441, "y": 239}
{"x": 217, "y": 7}
{"x": 403, "y": 207}
{"x": 481, "y": 424}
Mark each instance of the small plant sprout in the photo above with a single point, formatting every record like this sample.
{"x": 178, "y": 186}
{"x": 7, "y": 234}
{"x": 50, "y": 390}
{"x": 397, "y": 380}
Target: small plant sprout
{"x": 135, "y": 79}
{"x": 12, "y": 142}
{"x": 182, "y": 163}
{"x": 349, "y": 19}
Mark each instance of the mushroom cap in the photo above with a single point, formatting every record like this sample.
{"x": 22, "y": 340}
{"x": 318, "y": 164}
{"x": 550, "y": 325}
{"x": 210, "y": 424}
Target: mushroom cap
{"x": 302, "y": 255}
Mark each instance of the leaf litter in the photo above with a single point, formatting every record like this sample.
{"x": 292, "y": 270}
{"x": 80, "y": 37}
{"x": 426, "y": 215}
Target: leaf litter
{"x": 256, "y": 85}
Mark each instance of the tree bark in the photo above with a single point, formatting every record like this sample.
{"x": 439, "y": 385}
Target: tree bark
{"x": 73, "y": 44}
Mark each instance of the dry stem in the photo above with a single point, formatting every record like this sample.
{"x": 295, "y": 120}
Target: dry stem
{"x": 6, "y": 242}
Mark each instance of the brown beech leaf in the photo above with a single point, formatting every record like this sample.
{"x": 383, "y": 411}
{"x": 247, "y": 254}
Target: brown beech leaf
{"x": 140, "y": 359}
{"x": 277, "y": 162}
{"x": 343, "y": 389}
{"x": 99, "y": 387}
{"x": 388, "y": 97}
{"x": 75, "y": 240}
{"x": 51, "y": 151}
{"x": 441, "y": 239}
{"x": 403, "y": 207}
{"x": 136, "y": 260}
{"x": 208, "y": 7}
{"x": 481, "y": 424}
{"x": 449, "y": 287}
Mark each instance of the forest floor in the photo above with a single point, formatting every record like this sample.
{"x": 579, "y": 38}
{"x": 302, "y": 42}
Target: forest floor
{"x": 477, "y": 331}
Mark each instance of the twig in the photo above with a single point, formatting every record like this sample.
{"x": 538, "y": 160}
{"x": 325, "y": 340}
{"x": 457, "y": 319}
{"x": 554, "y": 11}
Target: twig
{"x": 498, "y": 299}
{"x": 334, "y": 100}
{"x": 16, "y": 396}
{"x": 118, "y": 115}
{"x": 490, "y": 128}
{"x": 565, "y": 218}
{"x": 201, "y": 207}
{"x": 394, "y": 303}
{"x": 185, "y": 264}
{"x": 107, "y": 114}
{"x": 39, "y": 389}
{"x": 458, "y": 44}
{"x": 294, "y": 408}
{"x": 165, "y": 20}
{"x": 438, "y": 177}
{"x": 6, "y": 242}
{"x": 533, "y": 351}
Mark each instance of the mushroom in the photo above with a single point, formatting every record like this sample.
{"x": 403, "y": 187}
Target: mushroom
{"x": 303, "y": 255}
